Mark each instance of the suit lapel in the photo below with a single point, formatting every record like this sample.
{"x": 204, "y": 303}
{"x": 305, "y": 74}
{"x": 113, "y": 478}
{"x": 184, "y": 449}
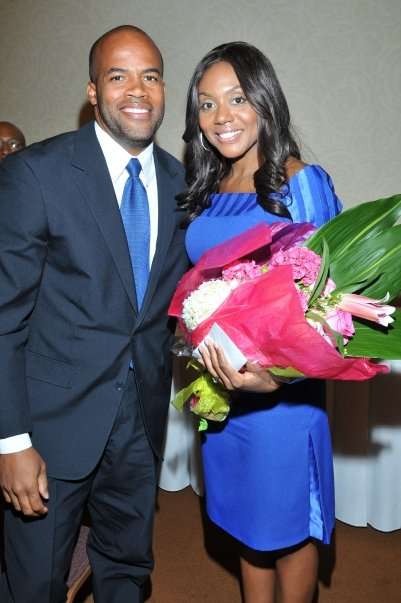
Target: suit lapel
{"x": 93, "y": 179}
{"x": 166, "y": 222}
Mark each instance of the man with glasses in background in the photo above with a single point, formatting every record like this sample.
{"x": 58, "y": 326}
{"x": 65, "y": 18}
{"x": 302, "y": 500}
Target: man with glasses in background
{"x": 11, "y": 139}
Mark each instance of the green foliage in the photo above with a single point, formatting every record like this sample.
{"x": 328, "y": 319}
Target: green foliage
{"x": 322, "y": 275}
{"x": 376, "y": 261}
{"x": 286, "y": 373}
{"x": 210, "y": 400}
{"x": 365, "y": 248}
{"x": 373, "y": 341}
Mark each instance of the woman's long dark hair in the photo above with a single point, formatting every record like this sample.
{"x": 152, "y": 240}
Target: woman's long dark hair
{"x": 206, "y": 168}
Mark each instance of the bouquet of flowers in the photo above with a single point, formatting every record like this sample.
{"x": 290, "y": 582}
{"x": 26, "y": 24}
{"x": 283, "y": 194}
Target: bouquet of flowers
{"x": 297, "y": 300}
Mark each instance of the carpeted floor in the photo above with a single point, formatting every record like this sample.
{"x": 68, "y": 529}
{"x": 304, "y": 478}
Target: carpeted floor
{"x": 195, "y": 562}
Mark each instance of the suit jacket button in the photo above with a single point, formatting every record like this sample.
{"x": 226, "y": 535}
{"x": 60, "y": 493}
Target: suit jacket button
{"x": 119, "y": 386}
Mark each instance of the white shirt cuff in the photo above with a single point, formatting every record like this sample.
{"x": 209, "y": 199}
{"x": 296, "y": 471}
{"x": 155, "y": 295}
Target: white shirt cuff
{"x": 15, "y": 443}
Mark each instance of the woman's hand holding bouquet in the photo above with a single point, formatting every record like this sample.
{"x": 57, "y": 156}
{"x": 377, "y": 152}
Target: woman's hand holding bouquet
{"x": 251, "y": 377}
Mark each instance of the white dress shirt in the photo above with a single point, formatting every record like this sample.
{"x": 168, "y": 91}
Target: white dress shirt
{"x": 117, "y": 159}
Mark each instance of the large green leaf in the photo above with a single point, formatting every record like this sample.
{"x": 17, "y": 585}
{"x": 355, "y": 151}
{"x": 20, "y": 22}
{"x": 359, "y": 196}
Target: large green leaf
{"x": 372, "y": 341}
{"x": 356, "y": 224}
{"x": 374, "y": 262}
{"x": 321, "y": 278}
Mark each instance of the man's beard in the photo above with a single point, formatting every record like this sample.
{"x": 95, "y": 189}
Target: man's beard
{"x": 127, "y": 137}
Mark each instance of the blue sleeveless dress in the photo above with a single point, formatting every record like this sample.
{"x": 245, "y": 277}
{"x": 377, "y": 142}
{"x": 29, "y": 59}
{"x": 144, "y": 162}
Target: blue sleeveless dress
{"x": 268, "y": 468}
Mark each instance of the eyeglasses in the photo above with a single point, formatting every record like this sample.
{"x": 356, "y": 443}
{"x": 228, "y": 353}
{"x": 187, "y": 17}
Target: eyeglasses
{"x": 11, "y": 145}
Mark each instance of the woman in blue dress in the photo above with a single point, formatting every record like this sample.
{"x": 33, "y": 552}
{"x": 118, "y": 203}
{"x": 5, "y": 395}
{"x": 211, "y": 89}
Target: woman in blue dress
{"x": 268, "y": 468}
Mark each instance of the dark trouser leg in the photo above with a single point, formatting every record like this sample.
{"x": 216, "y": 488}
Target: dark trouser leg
{"x": 121, "y": 507}
{"x": 122, "y": 498}
{"x": 38, "y": 551}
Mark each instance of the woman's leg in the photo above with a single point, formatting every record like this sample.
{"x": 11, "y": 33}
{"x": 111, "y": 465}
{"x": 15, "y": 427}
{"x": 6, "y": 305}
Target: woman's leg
{"x": 296, "y": 577}
{"x": 258, "y": 575}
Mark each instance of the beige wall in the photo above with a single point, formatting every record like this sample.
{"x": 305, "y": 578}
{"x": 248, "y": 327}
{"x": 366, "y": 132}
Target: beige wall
{"x": 339, "y": 63}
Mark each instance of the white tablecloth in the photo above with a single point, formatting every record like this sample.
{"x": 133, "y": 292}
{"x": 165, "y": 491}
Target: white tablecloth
{"x": 181, "y": 466}
{"x": 366, "y": 425}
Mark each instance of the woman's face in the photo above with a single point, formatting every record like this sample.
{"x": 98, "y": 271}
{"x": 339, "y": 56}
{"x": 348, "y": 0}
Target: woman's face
{"x": 226, "y": 118}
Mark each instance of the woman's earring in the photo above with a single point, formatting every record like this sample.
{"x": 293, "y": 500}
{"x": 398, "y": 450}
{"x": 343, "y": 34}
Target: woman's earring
{"x": 202, "y": 142}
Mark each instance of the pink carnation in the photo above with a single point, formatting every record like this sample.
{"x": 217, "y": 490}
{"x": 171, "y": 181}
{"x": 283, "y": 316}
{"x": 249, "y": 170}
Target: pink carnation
{"x": 305, "y": 263}
{"x": 243, "y": 271}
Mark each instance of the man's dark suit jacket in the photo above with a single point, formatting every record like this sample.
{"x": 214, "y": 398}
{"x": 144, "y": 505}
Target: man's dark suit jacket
{"x": 69, "y": 325}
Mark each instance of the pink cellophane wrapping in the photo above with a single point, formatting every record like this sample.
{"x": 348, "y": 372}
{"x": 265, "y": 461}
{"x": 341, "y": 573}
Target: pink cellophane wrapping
{"x": 263, "y": 316}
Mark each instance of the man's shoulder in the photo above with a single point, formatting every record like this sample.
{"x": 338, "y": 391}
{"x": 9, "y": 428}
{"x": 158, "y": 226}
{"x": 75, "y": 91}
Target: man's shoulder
{"x": 47, "y": 156}
{"x": 57, "y": 143}
{"x": 43, "y": 158}
{"x": 59, "y": 146}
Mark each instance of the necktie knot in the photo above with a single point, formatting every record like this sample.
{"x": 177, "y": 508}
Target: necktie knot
{"x": 134, "y": 167}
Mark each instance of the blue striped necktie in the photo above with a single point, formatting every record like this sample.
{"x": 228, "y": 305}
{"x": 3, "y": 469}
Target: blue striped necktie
{"x": 135, "y": 216}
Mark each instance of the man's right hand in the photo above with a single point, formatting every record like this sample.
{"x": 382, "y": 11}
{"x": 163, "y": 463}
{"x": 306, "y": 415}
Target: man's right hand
{"x": 23, "y": 481}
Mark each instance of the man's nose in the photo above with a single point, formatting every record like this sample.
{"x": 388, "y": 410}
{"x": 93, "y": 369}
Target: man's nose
{"x": 136, "y": 87}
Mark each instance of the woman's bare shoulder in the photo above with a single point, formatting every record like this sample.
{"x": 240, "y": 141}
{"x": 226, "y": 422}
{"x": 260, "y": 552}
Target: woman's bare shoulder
{"x": 293, "y": 165}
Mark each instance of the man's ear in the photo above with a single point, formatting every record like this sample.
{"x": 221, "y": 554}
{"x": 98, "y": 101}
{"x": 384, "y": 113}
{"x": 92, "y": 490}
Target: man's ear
{"x": 91, "y": 93}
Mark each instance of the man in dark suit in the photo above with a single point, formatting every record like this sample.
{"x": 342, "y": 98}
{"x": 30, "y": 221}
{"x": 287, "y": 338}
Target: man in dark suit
{"x": 84, "y": 342}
